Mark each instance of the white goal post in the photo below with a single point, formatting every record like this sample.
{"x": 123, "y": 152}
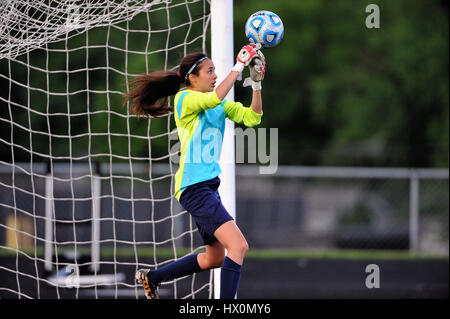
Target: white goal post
{"x": 223, "y": 57}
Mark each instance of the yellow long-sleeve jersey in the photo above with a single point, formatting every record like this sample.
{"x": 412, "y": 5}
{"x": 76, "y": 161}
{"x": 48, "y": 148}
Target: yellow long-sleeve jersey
{"x": 200, "y": 119}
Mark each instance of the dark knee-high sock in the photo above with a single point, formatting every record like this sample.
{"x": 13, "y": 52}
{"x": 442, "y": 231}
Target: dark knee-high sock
{"x": 179, "y": 268}
{"x": 229, "y": 279}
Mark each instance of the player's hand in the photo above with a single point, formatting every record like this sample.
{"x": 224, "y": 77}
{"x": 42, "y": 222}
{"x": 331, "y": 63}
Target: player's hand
{"x": 245, "y": 56}
{"x": 257, "y": 67}
{"x": 247, "y": 53}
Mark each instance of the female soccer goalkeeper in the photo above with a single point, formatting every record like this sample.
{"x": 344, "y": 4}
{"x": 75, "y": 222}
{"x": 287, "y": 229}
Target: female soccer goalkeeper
{"x": 197, "y": 109}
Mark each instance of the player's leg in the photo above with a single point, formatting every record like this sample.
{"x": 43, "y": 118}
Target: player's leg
{"x": 151, "y": 279}
{"x": 230, "y": 236}
{"x": 213, "y": 257}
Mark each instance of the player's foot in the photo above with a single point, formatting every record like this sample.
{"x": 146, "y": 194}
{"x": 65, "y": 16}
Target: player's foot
{"x": 149, "y": 287}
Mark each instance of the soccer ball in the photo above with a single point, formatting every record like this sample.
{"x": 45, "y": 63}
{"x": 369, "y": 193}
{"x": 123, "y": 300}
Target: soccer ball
{"x": 264, "y": 27}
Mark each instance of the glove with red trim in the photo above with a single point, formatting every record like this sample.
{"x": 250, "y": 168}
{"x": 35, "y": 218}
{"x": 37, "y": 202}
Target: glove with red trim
{"x": 245, "y": 56}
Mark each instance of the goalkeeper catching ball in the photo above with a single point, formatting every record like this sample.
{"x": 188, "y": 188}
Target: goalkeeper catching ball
{"x": 198, "y": 108}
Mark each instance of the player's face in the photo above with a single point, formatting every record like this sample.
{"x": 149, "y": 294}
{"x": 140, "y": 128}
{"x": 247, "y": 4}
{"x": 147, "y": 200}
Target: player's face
{"x": 206, "y": 78}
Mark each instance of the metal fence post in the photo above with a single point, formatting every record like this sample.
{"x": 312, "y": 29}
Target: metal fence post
{"x": 414, "y": 212}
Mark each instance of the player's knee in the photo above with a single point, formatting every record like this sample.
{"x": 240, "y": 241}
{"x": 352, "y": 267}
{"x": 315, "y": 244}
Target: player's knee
{"x": 245, "y": 248}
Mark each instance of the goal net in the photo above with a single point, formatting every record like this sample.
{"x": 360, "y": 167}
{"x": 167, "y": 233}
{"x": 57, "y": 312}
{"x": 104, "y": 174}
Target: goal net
{"x": 86, "y": 188}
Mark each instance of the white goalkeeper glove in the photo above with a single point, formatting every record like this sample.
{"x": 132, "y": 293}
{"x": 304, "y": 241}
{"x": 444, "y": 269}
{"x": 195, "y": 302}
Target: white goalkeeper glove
{"x": 245, "y": 56}
{"x": 257, "y": 70}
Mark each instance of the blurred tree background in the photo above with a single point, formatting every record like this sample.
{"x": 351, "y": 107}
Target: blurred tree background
{"x": 339, "y": 93}
{"x": 343, "y": 94}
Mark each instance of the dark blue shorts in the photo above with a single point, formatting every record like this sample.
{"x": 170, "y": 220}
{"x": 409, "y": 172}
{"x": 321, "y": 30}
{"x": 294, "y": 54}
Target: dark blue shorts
{"x": 202, "y": 201}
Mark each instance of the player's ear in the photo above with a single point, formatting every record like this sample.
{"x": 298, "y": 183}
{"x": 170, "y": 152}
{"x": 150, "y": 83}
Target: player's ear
{"x": 192, "y": 79}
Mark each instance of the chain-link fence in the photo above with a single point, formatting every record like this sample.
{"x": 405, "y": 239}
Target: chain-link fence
{"x": 333, "y": 208}
{"x": 298, "y": 207}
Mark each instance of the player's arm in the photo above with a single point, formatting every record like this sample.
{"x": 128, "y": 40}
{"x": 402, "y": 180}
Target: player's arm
{"x": 257, "y": 101}
{"x": 194, "y": 102}
{"x": 238, "y": 113}
{"x": 250, "y": 116}
{"x": 226, "y": 85}
{"x": 257, "y": 71}
{"x": 202, "y": 101}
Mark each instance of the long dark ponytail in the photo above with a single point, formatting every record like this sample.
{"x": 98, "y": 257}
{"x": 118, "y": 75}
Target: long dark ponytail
{"x": 148, "y": 89}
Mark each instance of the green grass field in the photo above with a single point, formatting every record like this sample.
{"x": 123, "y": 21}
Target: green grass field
{"x": 121, "y": 252}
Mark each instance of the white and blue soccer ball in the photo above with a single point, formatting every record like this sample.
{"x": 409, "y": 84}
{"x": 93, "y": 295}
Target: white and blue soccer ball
{"x": 264, "y": 27}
